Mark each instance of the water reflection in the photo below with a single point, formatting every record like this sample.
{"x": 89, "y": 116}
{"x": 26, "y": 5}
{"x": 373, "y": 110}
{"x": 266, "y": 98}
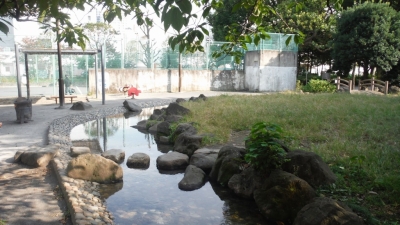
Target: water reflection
{"x": 152, "y": 196}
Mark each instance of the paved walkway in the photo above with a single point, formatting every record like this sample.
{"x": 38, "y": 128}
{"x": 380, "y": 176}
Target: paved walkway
{"x": 31, "y": 196}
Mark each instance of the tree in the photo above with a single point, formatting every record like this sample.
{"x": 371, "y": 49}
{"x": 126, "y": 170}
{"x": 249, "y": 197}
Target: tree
{"x": 224, "y": 16}
{"x": 175, "y": 14}
{"x": 369, "y": 35}
{"x": 150, "y": 55}
{"x": 99, "y": 34}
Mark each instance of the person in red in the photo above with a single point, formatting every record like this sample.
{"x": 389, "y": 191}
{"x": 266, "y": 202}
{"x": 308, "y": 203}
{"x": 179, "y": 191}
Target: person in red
{"x": 132, "y": 91}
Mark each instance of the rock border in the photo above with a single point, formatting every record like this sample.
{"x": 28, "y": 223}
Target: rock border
{"x": 82, "y": 197}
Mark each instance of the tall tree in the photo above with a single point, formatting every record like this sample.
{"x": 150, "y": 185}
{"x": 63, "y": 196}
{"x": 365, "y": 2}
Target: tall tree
{"x": 150, "y": 54}
{"x": 369, "y": 35}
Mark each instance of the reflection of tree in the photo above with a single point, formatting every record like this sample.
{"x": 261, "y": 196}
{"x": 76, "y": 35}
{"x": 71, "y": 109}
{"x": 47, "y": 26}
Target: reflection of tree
{"x": 91, "y": 128}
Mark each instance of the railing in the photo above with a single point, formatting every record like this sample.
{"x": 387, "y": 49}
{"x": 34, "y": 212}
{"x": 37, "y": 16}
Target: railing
{"x": 344, "y": 83}
{"x": 383, "y": 86}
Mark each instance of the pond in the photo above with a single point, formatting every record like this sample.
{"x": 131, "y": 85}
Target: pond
{"x": 150, "y": 197}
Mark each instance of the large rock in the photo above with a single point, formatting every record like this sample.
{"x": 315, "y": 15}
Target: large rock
{"x": 141, "y": 125}
{"x": 184, "y": 128}
{"x": 81, "y": 106}
{"x": 172, "y": 161}
{"x": 204, "y": 159}
{"x": 245, "y": 183}
{"x": 187, "y": 143}
{"x": 176, "y": 109}
{"x": 309, "y": 167}
{"x": 326, "y": 211}
{"x": 173, "y": 118}
{"x": 94, "y": 168}
{"x": 163, "y": 128}
{"x": 116, "y": 155}
{"x": 153, "y": 127}
{"x": 194, "y": 179}
{"x": 227, "y": 164}
{"x": 283, "y": 196}
{"x": 139, "y": 161}
{"x": 37, "y": 156}
{"x": 77, "y": 150}
{"x": 129, "y": 105}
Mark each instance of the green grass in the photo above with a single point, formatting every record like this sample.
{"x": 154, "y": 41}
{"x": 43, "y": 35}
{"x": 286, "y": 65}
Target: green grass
{"x": 357, "y": 135}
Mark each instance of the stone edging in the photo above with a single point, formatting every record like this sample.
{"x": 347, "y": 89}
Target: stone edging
{"x": 82, "y": 197}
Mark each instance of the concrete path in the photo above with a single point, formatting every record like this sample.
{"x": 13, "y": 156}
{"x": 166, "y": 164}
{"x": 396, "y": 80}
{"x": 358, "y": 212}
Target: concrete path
{"x": 31, "y": 196}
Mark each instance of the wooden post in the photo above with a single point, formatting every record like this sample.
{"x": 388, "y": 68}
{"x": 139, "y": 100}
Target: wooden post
{"x": 386, "y": 87}
{"x": 350, "y": 85}
{"x": 373, "y": 84}
{"x": 338, "y": 83}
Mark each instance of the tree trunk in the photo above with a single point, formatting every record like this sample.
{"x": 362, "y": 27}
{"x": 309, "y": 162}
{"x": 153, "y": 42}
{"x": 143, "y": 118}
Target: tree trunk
{"x": 365, "y": 74}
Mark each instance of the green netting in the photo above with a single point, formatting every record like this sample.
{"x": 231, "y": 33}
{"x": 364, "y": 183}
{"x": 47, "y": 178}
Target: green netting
{"x": 204, "y": 60}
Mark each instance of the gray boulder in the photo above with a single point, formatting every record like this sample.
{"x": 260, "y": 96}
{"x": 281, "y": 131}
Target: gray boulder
{"x": 183, "y": 128}
{"x": 194, "y": 179}
{"x": 228, "y": 163}
{"x": 309, "y": 167}
{"x": 94, "y": 168}
{"x": 75, "y": 151}
{"x": 326, "y": 211}
{"x": 141, "y": 125}
{"x": 116, "y": 155}
{"x": 129, "y": 105}
{"x": 153, "y": 127}
{"x": 187, "y": 143}
{"x": 179, "y": 100}
{"x": 81, "y": 106}
{"x": 139, "y": 161}
{"x": 163, "y": 128}
{"x": 176, "y": 109}
{"x": 172, "y": 161}
{"x": 204, "y": 159}
{"x": 37, "y": 156}
{"x": 283, "y": 196}
{"x": 173, "y": 118}
{"x": 245, "y": 183}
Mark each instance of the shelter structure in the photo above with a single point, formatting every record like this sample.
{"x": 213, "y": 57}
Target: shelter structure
{"x": 27, "y": 52}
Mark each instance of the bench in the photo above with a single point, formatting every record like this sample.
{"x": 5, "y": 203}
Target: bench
{"x": 65, "y": 96}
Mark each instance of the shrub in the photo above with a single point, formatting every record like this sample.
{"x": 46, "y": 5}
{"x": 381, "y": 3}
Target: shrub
{"x": 319, "y": 86}
{"x": 264, "y": 150}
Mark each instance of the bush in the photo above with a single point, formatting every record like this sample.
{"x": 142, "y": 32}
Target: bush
{"x": 264, "y": 150}
{"x": 319, "y": 86}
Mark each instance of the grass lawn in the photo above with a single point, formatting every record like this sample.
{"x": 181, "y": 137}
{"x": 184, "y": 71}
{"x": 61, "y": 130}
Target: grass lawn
{"x": 357, "y": 135}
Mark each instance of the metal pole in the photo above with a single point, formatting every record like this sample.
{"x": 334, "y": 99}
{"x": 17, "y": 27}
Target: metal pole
{"x": 17, "y": 70}
{"x": 95, "y": 73}
{"x": 60, "y": 79}
{"x": 27, "y": 76}
{"x": 103, "y": 62}
{"x": 180, "y": 72}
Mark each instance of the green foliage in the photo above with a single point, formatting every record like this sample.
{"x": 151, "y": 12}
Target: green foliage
{"x": 369, "y": 35}
{"x": 319, "y": 86}
{"x": 264, "y": 151}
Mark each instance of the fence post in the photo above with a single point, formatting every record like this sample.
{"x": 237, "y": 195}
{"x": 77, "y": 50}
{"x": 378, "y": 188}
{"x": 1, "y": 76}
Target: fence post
{"x": 373, "y": 84}
{"x": 350, "y": 85}
{"x": 338, "y": 83}
{"x": 386, "y": 87}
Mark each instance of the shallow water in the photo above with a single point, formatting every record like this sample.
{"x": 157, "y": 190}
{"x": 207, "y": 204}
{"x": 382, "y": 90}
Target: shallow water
{"x": 150, "y": 197}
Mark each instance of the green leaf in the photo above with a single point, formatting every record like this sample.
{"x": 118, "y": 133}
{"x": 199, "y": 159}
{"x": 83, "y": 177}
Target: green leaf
{"x": 206, "y": 12}
{"x": 4, "y": 28}
{"x": 184, "y": 5}
{"x": 236, "y": 7}
{"x": 287, "y": 42}
{"x": 205, "y": 31}
{"x": 176, "y": 18}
